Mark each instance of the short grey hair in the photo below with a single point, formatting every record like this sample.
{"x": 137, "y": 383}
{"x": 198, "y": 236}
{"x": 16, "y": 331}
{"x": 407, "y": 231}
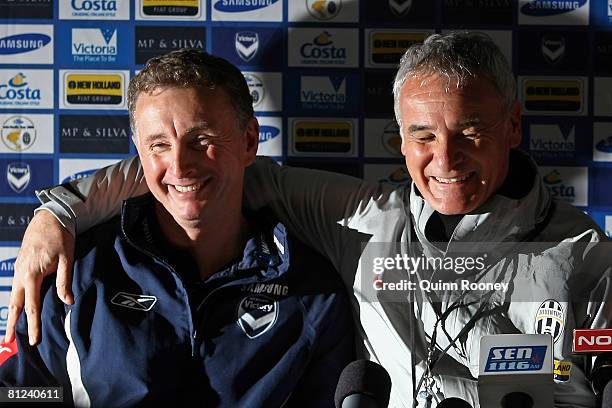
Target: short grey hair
{"x": 458, "y": 56}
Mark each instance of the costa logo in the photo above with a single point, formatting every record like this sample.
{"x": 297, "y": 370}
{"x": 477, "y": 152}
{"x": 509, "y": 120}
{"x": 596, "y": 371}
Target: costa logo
{"x": 324, "y": 9}
{"x": 94, "y": 5}
{"x": 592, "y": 340}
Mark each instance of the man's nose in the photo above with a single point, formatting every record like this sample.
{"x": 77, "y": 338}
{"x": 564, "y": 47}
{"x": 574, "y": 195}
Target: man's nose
{"x": 182, "y": 165}
{"x": 448, "y": 154}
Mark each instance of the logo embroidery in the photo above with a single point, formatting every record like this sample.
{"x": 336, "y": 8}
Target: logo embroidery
{"x": 257, "y": 314}
{"x": 132, "y": 301}
{"x": 550, "y": 319}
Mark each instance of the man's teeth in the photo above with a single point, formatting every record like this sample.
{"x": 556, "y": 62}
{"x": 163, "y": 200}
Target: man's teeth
{"x": 452, "y": 180}
{"x": 184, "y": 189}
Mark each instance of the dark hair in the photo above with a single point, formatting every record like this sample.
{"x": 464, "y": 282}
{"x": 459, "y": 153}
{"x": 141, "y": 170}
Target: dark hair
{"x": 192, "y": 68}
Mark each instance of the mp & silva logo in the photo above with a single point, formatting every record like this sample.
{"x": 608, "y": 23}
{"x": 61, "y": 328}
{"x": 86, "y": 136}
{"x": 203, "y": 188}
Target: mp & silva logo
{"x": 16, "y": 91}
{"x": 240, "y": 6}
{"x": 18, "y": 176}
{"x": 246, "y": 44}
{"x": 18, "y": 133}
{"x": 94, "y": 45}
{"x": 542, "y": 8}
{"x": 553, "y": 48}
{"x": 324, "y": 9}
{"x": 23, "y": 43}
{"x": 521, "y": 358}
{"x": 400, "y": 8}
{"x": 322, "y": 50}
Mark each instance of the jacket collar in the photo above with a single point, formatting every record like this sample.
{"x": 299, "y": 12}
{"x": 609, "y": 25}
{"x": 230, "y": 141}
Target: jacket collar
{"x": 500, "y": 218}
{"x": 267, "y": 250}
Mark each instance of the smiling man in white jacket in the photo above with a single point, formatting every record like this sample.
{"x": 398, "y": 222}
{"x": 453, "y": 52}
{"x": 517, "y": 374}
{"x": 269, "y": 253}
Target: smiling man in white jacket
{"x": 546, "y": 264}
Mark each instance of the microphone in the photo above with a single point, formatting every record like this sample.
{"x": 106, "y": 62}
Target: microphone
{"x": 516, "y": 371}
{"x": 363, "y": 384}
{"x": 454, "y": 402}
{"x": 597, "y": 342}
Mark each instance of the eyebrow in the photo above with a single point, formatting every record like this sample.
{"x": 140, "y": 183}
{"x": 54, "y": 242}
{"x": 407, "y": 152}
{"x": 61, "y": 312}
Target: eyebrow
{"x": 469, "y": 122}
{"x": 198, "y": 128}
{"x": 418, "y": 128}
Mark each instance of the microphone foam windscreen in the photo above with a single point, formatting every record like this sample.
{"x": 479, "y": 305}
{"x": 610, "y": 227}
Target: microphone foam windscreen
{"x": 364, "y": 377}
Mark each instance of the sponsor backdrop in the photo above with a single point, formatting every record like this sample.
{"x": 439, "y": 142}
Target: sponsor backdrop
{"x": 320, "y": 73}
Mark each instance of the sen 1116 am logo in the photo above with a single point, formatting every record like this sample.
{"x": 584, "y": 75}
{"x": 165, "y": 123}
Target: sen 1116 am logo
{"x": 18, "y": 133}
{"x": 94, "y": 89}
{"x": 521, "y": 358}
{"x": 171, "y": 7}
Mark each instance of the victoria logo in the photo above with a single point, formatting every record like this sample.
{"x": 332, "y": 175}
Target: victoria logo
{"x": 240, "y": 6}
{"x": 247, "y": 44}
{"x": 94, "y": 41}
{"x": 543, "y": 8}
{"x": 400, "y": 7}
{"x": 323, "y": 9}
{"x": 553, "y": 48}
{"x": 18, "y": 176}
{"x": 21, "y": 43}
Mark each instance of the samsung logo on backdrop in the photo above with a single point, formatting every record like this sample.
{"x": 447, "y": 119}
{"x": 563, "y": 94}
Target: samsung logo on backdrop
{"x": 79, "y": 175}
{"x": 16, "y": 44}
{"x": 239, "y": 6}
{"x": 541, "y": 8}
{"x": 267, "y": 133}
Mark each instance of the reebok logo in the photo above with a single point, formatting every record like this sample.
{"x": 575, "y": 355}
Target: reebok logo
{"x": 133, "y": 301}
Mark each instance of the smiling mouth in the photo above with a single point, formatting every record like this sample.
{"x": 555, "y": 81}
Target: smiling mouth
{"x": 453, "y": 180}
{"x": 186, "y": 189}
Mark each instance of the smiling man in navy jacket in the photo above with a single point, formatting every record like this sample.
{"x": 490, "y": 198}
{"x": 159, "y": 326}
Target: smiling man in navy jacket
{"x": 184, "y": 297}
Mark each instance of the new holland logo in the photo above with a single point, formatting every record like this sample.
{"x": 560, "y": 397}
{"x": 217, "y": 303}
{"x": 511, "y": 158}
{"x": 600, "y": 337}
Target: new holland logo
{"x": 22, "y": 43}
{"x": 94, "y": 89}
{"x": 391, "y": 139}
{"x": 318, "y": 137}
{"x": 257, "y": 314}
{"x": 18, "y": 91}
{"x": 256, "y": 87}
{"x": 143, "y": 303}
{"x": 542, "y": 8}
{"x": 267, "y": 133}
{"x": 170, "y": 7}
{"x": 553, "y": 48}
{"x": 18, "y": 176}
{"x": 247, "y": 44}
{"x": 240, "y": 6}
{"x": 324, "y": 9}
{"x": 562, "y": 370}
{"x": 550, "y": 319}
{"x": 18, "y": 133}
{"x": 400, "y": 7}
{"x": 388, "y": 47}
{"x": 547, "y": 95}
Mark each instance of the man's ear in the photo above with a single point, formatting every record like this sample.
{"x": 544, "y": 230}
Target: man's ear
{"x": 251, "y": 137}
{"x": 515, "y": 122}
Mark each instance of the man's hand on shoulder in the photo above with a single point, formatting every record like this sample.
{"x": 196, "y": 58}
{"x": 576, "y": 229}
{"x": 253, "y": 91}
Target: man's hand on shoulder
{"x": 47, "y": 247}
